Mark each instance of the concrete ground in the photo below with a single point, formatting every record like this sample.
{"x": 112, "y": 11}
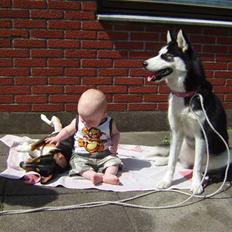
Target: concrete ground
{"x": 213, "y": 214}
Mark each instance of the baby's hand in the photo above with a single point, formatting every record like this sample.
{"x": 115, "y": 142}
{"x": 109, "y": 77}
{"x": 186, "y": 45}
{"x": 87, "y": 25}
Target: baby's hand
{"x": 113, "y": 149}
{"x": 52, "y": 140}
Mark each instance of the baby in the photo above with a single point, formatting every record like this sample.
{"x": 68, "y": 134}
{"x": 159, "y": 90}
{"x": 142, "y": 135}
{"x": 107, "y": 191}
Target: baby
{"x": 96, "y": 139}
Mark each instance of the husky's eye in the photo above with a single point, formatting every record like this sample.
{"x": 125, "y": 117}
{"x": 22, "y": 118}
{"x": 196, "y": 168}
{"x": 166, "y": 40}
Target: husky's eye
{"x": 167, "y": 57}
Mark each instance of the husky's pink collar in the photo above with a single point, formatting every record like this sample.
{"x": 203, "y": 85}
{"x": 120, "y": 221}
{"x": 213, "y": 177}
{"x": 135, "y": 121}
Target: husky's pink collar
{"x": 184, "y": 94}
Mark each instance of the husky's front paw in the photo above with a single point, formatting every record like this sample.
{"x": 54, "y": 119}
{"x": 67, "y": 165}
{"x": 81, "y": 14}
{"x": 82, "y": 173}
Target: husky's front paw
{"x": 165, "y": 183}
{"x": 196, "y": 187}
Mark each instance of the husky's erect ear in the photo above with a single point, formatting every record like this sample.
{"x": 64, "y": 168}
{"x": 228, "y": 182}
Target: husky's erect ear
{"x": 182, "y": 41}
{"x": 169, "y": 37}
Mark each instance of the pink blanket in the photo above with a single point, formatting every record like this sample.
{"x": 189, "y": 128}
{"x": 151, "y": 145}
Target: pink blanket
{"x": 139, "y": 172}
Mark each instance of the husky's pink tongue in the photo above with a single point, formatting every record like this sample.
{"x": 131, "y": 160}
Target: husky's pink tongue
{"x": 151, "y": 77}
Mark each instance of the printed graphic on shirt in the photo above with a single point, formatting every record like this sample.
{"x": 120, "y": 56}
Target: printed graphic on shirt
{"x": 91, "y": 140}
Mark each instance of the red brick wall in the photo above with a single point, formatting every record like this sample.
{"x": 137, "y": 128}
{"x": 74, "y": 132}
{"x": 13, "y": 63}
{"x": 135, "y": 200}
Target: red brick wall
{"x": 51, "y": 51}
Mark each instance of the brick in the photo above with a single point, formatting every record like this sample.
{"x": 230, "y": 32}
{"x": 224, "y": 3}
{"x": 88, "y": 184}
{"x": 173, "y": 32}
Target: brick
{"x": 63, "y": 63}
{"x": 199, "y": 38}
{"x": 47, "y": 71}
{"x": 140, "y": 36}
{"x": 128, "y": 27}
{"x": 127, "y": 63}
{"x": 141, "y": 54}
{"x": 79, "y": 15}
{"x": 117, "y": 107}
{"x": 162, "y": 106}
{"x": 78, "y": 72}
{"x": 143, "y": 89}
{"x": 111, "y": 54}
{"x": 128, "y": 98}
{"x": 14, "y": 53}
{"x": 64, "y": 81}
{"x": 5, "y": 43}
{"x": 46, "y": 14}
{"x": 28, "y": 43}
{"x": 143, "y": 107}
{"x": 6, "y": 81}
{"x": 28, "y": 4}
{"x": 129, "y": 45}
{"x": 47, "y": 108}
{"x": 88, "y": 5}
{"x": 30, "y": 62}
{"x": 97, "y": 44}
{"x": 14, "y": 33}
{"x": 14, "y": 14}
{"x": 223, "y": 58}
{"x": 6, "y": 99}
{"x": 30, "y": 99}
{"x": 47, "y": 89}
{"x": 139, "y": 72}
{"x": 64, "y": 5}
{"x": 63, "y": 98}
{"x": 108, "y": 35}
{"x": 97, "y": 63}
{"x": 47, "y": 53}
{"x": 5, "y": 23}
{"x": 5, "y": 62}
{"x": 31, "y": 81}
{"x": 215, "y": 49}
{"x": 97, "y": 81}
{"x": 80, "y": 53}
{"x": 70, "y": 107}
{"x": 163, "y": 89}
{"x": 65, "y": 25}
{"x": 128, "y": 81}
{"x": 25, "y": 23}
{"x": 80, "y": 34}
{"x": 14, "y": 90}
{"x": 217, "y": 81}
{"x": 15, "y": 108}
{"x": 215, "y": 66}
{"x": 113, "y": 72}
{"x": 222, "y": 89}
{"x": 92, "y": 25}
{"x": 14, "y": 72}
{"x": 47, "y": 34}
{"x": 155, "y": 98}
{"x": 5, "y": 3}
{"x": 113, "y": 89}
{"x": 75, "y": 89}
{"x": 63, "y": 44}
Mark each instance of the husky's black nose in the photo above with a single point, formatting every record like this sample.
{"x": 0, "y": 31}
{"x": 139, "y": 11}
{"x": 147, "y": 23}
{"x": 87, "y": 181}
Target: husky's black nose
{"x": 145, "y": 64}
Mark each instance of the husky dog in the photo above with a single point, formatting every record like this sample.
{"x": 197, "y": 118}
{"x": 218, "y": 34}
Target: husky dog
{"x": 180, "y": 67}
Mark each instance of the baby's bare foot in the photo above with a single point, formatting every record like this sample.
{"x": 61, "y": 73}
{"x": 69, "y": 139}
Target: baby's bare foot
{"x": 97, "y": 179}
{"x": 111, "y": 179}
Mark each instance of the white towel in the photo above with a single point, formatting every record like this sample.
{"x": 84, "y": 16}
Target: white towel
{"x": 139, "y": 172}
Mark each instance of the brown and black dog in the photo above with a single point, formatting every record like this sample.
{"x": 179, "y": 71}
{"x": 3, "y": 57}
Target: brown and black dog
{"x": 47, "y": 159}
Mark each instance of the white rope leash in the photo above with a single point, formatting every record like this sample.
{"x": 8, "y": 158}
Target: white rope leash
{"x": 123, "y": 201}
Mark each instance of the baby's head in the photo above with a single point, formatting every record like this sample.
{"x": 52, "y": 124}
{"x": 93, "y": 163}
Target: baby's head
{"x": 92, "y": 107}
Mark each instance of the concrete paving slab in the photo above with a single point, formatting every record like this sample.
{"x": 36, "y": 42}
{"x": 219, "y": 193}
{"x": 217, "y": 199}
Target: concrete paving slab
{"x": 198, "y": 215}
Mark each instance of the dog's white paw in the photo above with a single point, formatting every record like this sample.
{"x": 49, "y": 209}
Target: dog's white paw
{"x": 25, "y": 147}
{"x": 196, "y": 187}
{"x": 164, "y": 184}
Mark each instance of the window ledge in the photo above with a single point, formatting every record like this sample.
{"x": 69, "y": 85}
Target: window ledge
{"x": 163, "y": 20}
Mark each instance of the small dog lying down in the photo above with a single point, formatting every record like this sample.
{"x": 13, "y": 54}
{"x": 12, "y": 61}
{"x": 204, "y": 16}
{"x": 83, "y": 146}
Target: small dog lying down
{"x": 47, "y": 159}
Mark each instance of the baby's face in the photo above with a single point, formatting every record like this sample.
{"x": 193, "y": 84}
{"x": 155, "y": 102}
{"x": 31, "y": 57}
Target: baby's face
{"x": 92, "y": 120}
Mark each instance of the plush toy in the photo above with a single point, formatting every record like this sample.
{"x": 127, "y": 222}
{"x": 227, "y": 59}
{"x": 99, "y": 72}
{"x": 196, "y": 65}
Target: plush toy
{"x": 47, "y": 159}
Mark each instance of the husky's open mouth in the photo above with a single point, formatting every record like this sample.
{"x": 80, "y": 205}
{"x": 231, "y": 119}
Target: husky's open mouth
{"x": 157, "y": 76}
